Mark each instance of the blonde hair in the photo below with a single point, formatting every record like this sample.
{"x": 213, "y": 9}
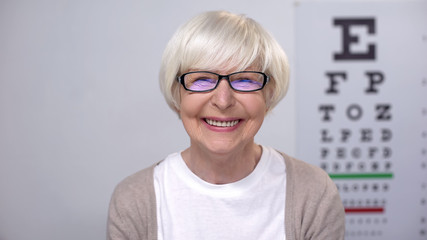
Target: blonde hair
{"x": 226, "y": 41}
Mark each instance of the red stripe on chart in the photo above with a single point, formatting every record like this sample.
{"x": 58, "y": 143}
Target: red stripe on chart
{"x": 364, "y": 210}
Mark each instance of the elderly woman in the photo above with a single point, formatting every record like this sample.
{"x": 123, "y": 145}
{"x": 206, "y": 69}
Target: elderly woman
{"x": 222, "y": 73}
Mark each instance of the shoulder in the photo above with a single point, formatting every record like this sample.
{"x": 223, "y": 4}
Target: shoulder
{"x": 302, "y": 173}
{"x": 135, "y": 188}
{"x": 306, "y": 181}
{"x": 313, "y": 206}
{"x": 137, "y": 181}
{"x": 132, "y": 211}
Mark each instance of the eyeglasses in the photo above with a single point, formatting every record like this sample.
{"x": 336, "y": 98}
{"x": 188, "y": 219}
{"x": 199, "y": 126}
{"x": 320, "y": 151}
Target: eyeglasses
{"x": 203, "y": 81}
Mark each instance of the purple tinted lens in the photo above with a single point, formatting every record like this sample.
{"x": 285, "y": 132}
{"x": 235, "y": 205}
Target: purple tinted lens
{"x": 202, "y": 84}
{"x": 246, "y": 85}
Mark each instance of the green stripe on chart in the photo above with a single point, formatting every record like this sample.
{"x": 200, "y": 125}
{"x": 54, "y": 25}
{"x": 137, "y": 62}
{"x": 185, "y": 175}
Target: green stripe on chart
{"x": 360, "y": 175}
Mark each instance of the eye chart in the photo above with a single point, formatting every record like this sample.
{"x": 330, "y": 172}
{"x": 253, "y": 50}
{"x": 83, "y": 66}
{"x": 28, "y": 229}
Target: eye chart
{"x": 361, "y": 88}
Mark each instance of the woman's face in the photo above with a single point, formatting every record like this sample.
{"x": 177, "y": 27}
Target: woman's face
{"x": 223, "y": 120}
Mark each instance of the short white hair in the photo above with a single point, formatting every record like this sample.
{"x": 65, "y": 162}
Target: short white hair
{"x": 222, "y": 40}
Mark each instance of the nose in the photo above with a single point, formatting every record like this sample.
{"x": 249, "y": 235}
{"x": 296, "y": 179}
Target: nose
{"x": 223, "y": 95}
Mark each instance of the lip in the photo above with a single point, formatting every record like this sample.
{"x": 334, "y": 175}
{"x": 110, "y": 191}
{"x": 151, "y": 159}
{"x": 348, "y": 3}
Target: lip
{"x": 222, "y": 129}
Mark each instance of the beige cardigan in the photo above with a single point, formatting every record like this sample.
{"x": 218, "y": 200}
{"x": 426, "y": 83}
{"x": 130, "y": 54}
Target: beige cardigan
{"x": 313, "y": 208}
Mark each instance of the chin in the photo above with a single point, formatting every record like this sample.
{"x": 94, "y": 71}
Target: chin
{"x": 222, "y": 147}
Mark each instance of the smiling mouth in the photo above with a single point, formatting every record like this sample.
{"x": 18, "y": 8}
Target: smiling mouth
{"x": 221, "y": 123}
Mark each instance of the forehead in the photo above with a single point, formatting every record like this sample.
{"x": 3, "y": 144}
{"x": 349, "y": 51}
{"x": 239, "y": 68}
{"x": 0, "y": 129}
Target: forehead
{"x": 225, "y": 69}
{"x": 225, "y": 59}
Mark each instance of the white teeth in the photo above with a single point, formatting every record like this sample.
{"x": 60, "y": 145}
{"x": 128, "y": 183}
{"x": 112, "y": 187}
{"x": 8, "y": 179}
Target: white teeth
{"x": 221, "y": 123}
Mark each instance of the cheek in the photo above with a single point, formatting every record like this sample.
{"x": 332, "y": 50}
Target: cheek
{"x": 191, "y": 107}
{"x": 186, "y": 107}
{"x": 189, "y": 121}
{"x": 268, "y": 93}
{"x": 256, "y": 110}
{"x": 256, "y": 106}
{"x": 188, "y": 115}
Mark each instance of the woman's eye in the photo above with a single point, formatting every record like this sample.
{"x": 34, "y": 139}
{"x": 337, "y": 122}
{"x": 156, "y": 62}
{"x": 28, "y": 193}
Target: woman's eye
{"x": 246, "y": 84}
{"x": 204, "y": 80}
{"x": 245, "y": 81}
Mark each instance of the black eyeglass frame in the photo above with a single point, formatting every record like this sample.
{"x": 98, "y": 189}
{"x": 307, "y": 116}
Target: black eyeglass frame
{"x": 180, "y": 79}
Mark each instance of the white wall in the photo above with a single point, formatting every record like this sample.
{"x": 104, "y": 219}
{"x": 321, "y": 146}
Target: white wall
{"x": 80, "y": 106}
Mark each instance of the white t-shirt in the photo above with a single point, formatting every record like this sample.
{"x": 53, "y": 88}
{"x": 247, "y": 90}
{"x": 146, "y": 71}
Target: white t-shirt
{"x": 190, "y": 208}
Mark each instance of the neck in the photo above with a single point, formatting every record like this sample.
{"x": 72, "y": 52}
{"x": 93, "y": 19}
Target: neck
{"x": 225, "y": 167}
